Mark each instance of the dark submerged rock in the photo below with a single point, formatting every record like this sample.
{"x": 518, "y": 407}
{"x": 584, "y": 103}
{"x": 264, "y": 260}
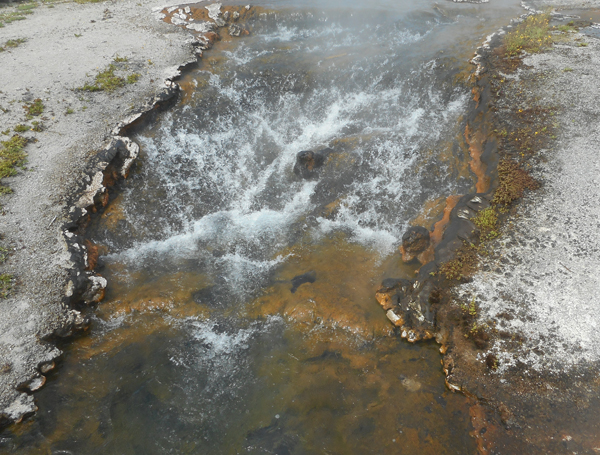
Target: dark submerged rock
{"x": 467, "y": 231}
{"x": 212, "y": 296}
{"x": 392, "y": 291}
{"x": 308, "y": 277}
{"x": 414, "y": 241}
{"x": 308, "y": 162}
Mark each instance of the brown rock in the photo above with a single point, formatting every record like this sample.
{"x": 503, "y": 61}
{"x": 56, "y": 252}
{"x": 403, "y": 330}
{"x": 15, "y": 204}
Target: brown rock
{"x": 414, "y": 241}
{"x": 391, "y": 292}
{"x": 307, "y": 163}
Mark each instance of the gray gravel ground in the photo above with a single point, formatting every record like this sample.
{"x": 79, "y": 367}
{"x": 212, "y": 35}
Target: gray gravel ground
{"x": 66, "y": 45}
{"x": 546, "y": 286}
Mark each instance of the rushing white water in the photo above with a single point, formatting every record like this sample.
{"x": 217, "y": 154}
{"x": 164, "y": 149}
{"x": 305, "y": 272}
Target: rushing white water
{"x": 217, "y": 182}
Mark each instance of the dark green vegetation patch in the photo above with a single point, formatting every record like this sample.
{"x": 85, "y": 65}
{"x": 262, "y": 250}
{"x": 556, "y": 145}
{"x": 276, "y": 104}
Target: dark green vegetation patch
{"x": 33, "y": 109}
{"x": 12, "y": 43}
{"x": 11, "y": 157}
{"x": 109, "y": 81}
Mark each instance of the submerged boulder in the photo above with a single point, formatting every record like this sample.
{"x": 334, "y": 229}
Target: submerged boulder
{"x": 414, "y": 241}
{"x": 308, "y": 277}
{"x": 308, "y": 162}
{"x": 237, "y": 30}
{"x": 392, "y": 291}
{"x": 410, "y": 306}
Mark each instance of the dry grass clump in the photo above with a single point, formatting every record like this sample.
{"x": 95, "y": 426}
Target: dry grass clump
{"x": 512, "y": 183}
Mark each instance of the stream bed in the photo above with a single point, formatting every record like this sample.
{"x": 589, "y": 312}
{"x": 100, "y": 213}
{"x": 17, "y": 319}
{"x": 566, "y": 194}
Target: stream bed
{"x": 240, "y": 314}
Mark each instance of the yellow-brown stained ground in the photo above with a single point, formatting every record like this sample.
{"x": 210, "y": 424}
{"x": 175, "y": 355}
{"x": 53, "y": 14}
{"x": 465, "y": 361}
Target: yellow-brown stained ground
{"x": 476, "y": 141}
{"x": 440, "y": 226}
{"x": 347, "y": 276}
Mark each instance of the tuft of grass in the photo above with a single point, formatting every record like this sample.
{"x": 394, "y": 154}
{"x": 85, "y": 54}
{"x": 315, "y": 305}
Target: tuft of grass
{"x": 11, "y": 156}
{"x": 7, "y": 18}
{"x": 21, "y": 128}
{"x": 108, "y": 81}
{"x": 12, "y": 43}
{"x": 471, "y": 308}
{"x": 568, "y": 69}
{"x": 35, "y": 108}
{"x": 531, "y": 35}
{"x": 27, "y": 8}
{"x": 3, "y": 254}
{"x": 566, "y": 28}
{"x": 512, "y": 182}
{"x": 6, "y": 280}
{"x": 105, "y": 80}
{"x": 18, "y": 14}
{"x": 133, "y": 78}
{"x": 38, "y": 127}
{"x": 118, "y": 59}
{"x": 69, "y": 111}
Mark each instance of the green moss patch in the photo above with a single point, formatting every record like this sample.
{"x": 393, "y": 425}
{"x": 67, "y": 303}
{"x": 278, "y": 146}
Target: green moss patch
{"x": 487, "y": 222}
{"x": 12, "y": 156}
{"x": 109, "y": 81}
{"x": 462, "y": 266}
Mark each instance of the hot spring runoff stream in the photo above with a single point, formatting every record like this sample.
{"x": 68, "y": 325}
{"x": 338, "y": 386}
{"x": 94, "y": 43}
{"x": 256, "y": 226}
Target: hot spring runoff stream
{"x": 240, "y": 315}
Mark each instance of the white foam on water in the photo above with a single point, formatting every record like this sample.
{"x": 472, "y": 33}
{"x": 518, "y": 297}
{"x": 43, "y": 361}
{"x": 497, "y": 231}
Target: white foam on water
{"x": 286, "y": 33}
{"x": 225, "y": 228}
{"x": 218, "y": 346}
